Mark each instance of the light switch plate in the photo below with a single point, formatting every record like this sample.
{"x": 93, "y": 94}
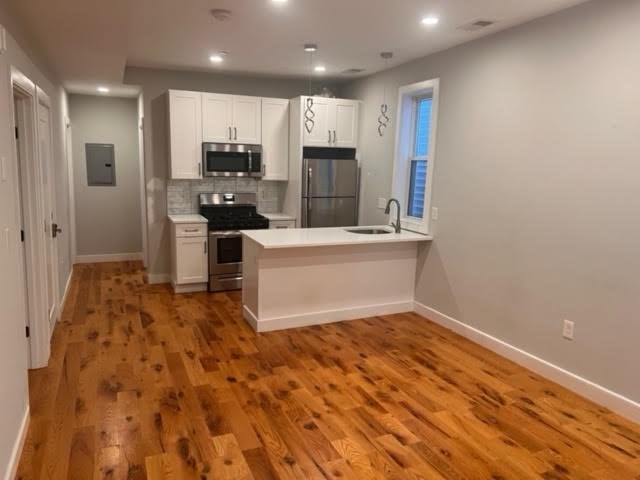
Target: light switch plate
{"x": 382, "y": 203}
{"x": 3, "y": 39}
{"x": 434, "y": 213}
{"x": 3, "y": 168}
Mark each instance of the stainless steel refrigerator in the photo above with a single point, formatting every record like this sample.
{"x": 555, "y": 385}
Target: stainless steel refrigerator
{"x": 329, "y": 192}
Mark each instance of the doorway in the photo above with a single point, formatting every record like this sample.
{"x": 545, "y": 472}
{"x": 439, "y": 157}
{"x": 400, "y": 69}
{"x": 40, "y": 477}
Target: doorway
{"x": 34, "y": 157}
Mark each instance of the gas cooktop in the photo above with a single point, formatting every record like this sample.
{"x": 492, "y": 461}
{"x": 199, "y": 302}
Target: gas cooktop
{"x": 231, "y": 211}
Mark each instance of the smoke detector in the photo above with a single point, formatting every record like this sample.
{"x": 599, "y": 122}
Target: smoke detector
{"x": 476, "y": 25}
{"x": 221, "y": 14}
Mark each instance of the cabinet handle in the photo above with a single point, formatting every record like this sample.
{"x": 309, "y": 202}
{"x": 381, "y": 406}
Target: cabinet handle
{"x": 281, "y": 226}
{"x": 235, "y": 133}
{"x": 264, "y": 169}
{"x": 334, "y": 137}
{"x": 329, "y": 137}
{"x": 191, "y": 230}
{"x": 205, "y": 247}
{"x": 229, "y": 133}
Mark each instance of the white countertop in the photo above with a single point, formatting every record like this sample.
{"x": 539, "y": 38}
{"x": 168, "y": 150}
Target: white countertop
{"x": 277, "y": 216}
{"x": 321, "y": 237}
{"x": 193, "y": 218}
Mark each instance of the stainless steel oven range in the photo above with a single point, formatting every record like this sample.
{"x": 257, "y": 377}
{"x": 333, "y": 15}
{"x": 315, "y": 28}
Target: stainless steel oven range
{"x": 228, "y": 213}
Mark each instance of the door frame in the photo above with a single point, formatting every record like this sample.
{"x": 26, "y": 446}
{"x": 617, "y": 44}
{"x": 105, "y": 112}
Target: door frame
{"x": 29, "y": 180}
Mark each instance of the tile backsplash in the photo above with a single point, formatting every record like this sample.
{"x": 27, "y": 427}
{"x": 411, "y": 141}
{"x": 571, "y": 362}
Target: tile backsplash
{"x": 182, "y": 195}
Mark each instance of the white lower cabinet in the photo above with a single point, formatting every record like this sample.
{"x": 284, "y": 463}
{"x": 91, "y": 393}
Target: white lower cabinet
{"x": 189, "y": 269}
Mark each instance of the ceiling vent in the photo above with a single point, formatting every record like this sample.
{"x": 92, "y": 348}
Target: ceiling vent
{"x": 476, "y": 25}
{"x": 353, "y": 71}
{"x": 221, "y": 14}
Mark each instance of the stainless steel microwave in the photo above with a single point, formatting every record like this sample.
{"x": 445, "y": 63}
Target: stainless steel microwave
{"x": 232, "y": 160}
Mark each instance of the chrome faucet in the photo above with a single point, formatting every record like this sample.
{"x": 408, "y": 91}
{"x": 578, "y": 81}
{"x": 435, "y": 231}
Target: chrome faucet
{"x": 387, "y": 210}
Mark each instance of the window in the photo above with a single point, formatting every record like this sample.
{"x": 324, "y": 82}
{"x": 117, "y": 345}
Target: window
{"x": 418, "y": 176}
{"x": 413, "y": 165}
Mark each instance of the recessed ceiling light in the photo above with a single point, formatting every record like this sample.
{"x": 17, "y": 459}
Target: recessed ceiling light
{"x": 103, "y": 89}
{"x": 430, "y": 20}
{"x": 310, "y": 47}
{"x": 320, "y": 68}
{"x": 279, "y": 1}
{"x": 216, "y": 58}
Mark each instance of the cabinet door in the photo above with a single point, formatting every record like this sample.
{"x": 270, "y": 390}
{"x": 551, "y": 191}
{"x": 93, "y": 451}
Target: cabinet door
{"x": 185, "y": 134}
{"x": 191, "y": 260}
{"x": 217, "y": 117}
{"x": 275, "y": 138}
{"x": 346, "y": 128}
{"x": 246, "y": 120}
{"x": 324, "y": 122}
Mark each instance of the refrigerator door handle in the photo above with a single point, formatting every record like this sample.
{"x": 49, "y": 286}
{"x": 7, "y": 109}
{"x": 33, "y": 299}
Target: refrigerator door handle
{"x": 309, "y": 176}
{"x": 329, "y": 136}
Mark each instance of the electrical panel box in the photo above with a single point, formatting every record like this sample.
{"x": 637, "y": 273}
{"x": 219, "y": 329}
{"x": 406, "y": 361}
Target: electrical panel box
{"x": 101, "y": 164}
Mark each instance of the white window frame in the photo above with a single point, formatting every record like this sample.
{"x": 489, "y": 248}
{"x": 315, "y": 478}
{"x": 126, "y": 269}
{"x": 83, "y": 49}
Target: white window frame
{"x": 405, "y": 151}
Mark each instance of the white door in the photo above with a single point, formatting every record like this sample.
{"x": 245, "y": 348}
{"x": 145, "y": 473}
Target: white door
{"x": 275, "y": 138}
{"x": 45, "y": 148}
{"x": 217, "y": 118}
{"x": 246, "y": 120}
{"x": 346, "y": 127}
{"x": 321, "y": 134}
{"x": 191, "y": 256}
{"x": 185, "y": 134}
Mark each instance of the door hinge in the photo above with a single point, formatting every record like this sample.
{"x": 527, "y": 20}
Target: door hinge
{"x": 22, "y": 235}
{"x": 27, "y": 331}
{"x": 17, "y": 133}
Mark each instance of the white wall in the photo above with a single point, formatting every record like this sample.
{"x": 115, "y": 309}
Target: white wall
{"x": 13, "y": 345}
{"x": 108, "y": 219}
{"x": 154, "y": 84}
{"x": 537, "y": 183}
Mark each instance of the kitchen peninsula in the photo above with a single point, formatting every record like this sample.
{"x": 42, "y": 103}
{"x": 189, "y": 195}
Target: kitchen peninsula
{"x": 301, "y": 277}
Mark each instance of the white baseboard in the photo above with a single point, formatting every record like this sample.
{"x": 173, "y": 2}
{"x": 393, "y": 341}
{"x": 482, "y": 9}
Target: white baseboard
{"x": 109, "y": 257}
{"x": 195, "y": 287}
{"x": 328, "y": 316}
{"x": 597, "y": 393}
{"x": 12, "y": 468}
{"x": 157, "y": 278}
{"x": 66, "y": 291}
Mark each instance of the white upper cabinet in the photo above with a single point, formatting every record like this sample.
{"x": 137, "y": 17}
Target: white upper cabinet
{"x": 217, "y": 118}
{"x": 246, "y": 124}
{"x": 275, "y": 138}
{"x": 231, "y": 119}
{"x": 346, "y": 130}
{"x": 335, "y": 123}
{"x": 185, "y": 134}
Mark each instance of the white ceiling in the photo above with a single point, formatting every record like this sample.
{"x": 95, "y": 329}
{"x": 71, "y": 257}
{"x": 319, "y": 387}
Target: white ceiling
{"x": 89, "y": 42}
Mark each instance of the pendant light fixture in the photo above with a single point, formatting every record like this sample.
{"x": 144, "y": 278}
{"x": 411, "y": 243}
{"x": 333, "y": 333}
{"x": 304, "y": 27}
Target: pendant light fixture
{"x": 309, "y": 114}
{"x": 383, "y": 119}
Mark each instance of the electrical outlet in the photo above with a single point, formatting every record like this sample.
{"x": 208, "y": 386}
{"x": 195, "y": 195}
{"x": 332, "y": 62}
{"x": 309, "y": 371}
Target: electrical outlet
{"x": 3, "y": 168}
{"x": 434, "y": 213}
{"x": 567, "y": 330}
{"x": 382, "y": 203}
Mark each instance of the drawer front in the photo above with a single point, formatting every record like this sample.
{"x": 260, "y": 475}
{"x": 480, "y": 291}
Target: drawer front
{"x": 277, "y": 224}
{"x": 191, "y": 230}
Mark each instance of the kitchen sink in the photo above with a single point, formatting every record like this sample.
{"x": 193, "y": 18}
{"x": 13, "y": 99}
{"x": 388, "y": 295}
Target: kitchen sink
{"x": 368, "y": 231}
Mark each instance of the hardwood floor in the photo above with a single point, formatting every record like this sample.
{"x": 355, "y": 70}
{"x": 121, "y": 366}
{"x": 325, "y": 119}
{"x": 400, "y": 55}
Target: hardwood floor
{"x": 145, "y": 384}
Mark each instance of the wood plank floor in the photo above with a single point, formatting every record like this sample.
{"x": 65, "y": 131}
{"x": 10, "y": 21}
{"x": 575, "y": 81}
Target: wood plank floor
{"x": 145, "y": 384}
